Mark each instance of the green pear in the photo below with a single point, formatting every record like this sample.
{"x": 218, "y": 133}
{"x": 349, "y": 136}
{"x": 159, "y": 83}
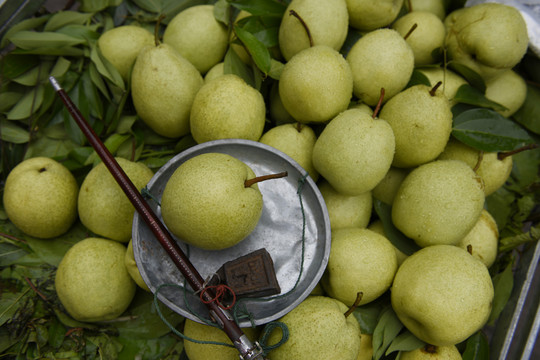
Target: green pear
{"x": 426, "y": 38}
{"x": 422, "y": 124}
{"x": 489, "y": 38}
{"x": 121, "y": 46}
{"x": 442, "y": 294}
{"x": 387, "y": 188}
{"x": 432, "y": 352}
{"x": 133, "y": 270}
{"x": 354, "y": 152}
{"x": 346, "y": 210}
{"x": 380, "y": 59}
{"x": 361, "y": 260}
{"x": 483, "y": 239}
{"x": 370, "y": 15}
{"x": 438, "y": 203}
{"x": 378, "y": 227}
{"x": 451, "y": 81}
{"x": 198, "y": 36}
{"x": 163, "y": 86}
{"x": 366, "y": 347}
{"x": 235, "y": 44}
{"x": 326, "y": 21}
{"x": 493, "y": 171}
{"x": 103, "y": 206}
{"x": 226, "y": 108}
{"x": 316, "y": 84}
{"x": 437, "y": 7}
{"x": 214, "y": 72}
{"x": 361, "y": 106}
{"x": 40, "y": 197}
{"x": 297, "y": 141}
{"x": 206, "y": 203}
{"x": 278, "y": 114}
{"x": 508, "y": 89}
{"x": 92, "y": 281}
{"x": 318, "y": 329}
{"x": 204, "y": 332}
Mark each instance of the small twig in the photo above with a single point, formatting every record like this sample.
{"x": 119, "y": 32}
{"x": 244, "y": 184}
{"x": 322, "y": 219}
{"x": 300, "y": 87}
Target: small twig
{"x": 503, "y": 155}
{"x": 434, "y": 88}
{"x": 257, "y": 179}
{"x": 415, "y": 25}
{"x": 379, "y": 104}
{"x": 359, "y": 296}
{"x": 11, "y": 237}
{"x": 35, "y": 289}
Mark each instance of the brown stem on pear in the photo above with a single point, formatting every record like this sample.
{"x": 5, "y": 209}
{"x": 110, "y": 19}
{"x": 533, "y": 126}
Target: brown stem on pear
{"x": 295, "y": 14}
{"x": 409, "y": 2}
{"x": 379, "y": 104}
{"x": 257, "y": 179}
{"x": 415, "y": 25}
{"x": 502, "y": 155}
{"x": 299, "y": 127}
{"x": 434, "y": 88}
{"x": 430, "y": 349}
{"x": 469, "y": 249}
{"x": 479, "y": 161}
{"x": 359, "y": 296}
{"x": 156, "y": 29}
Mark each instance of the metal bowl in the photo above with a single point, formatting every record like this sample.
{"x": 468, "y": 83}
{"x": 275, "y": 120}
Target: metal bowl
{"x": 294, "y": 228}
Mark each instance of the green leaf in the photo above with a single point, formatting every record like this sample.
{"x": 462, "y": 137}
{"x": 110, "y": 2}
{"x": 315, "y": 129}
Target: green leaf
{"x": 60, "y": 67}
{"x": 27, "y": 24}
{"x": 405, "y": 341}
{"x": 98, "y": 5}
{"x": 385, "y": 332}
{"x": 222, "y": 11}
{"x": 470, "y": 75}
{"x": 36, "y": 75}
{"x": 54, "y": 51}
{"x": 264, "y": 28}
{"x": 33, "y": 39}
{"x": 528, "y": 114}
{"x": 396, "y": 237}
{"x": 232, "y": 64}
{"x": 28, "y": 105}
{"x": 11, "y": 132}
{"x": 368, "y": 315}
{"x": 63, "y": 18}
{"x": 511, "y": 242}
{"x": 477, "y": 347}
{"x": 15, "y": 65}
{"x": 261, "y": 7}
{"x": 56, "y": 332}
{"x": 276, "y": 69}
{"x": 469, "y": 95}
{"x": 105, "y": 68}
{"x": 10, "y": 253}
{"x": 487, "y": 130}
{"x": 525, "y": 167}
{"x": 8, "y": 99}
{"x": 499, "y": 206}
{"x": 418, "y": 78}
{"x": 503, "y": 284}
{"x": 112, "y": 143}
{"x": 258, "y": 51}
{"x": 10, "y": 303}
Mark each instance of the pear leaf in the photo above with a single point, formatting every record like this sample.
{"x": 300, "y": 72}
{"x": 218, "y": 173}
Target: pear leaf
{"x": 477, "y": 347}
{"x": 405, "y": 341}
{"x": 232, "y": 64}
{"x": 28, "y": 105}
{"x": 469, "y": 95}
{"x": 265, "y": 29}
{"x": 470, "y": 75}
{"x": 16, "y": 65}
{"x": 396, "y": 237}
{"x": 487, "y": 130}
{"x": 528, "y": 114}
{"x": 367, "y": 316}
{"x": 261, "y": 7}
{"x": 33, "y": 39}
{"x": 11, "y": 132}
{"x": 418, "y": 78}
{"x": 388, "y": 327}
{"x": 258, "y": 51}
{"x": 63, "y": 18}
{"x": 503, "y": 283}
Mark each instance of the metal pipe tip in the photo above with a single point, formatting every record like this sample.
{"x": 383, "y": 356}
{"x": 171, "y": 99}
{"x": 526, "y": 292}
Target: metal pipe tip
{"x": 55, "y": 83}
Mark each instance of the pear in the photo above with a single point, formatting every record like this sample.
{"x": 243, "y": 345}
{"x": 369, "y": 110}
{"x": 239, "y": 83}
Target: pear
{"x": 103, "y": 206}
{"x": 121, "y": 46}
{"x": 316, "y": 84}
{"x": 438, "y": 203}
{"x": 431, "y": 352}
{"x": 235, "y": 44}
{"x": 489, "y": 38}
{"x": 204, "y": 332}
{"x": 369, "y": 15}
{"x": 198, "y": 36}
{"x": 206, "y": 203}
{"x": 493, "y": 171}
{"x": 387, "y": 188}
{"x": 366, "y": 347}
{"x": 380, "y": 59}
{"x": 450, "y": 80}
{"x": 346, "y": 210}
{"x": 214, "y": 72}
{"x": 318, "y": 329}
{"x": 442, "y": 294}
{"x": 163, "y": 86}
{"x": 133, "y": 270}
{"x": 226, "y": 108}
{"x": 326, "y": 21}
{"x": 361, "y": 106}
{"x": 437, "y": 7}
{"x": 92, "y": 282}
{"x": 297, "y": 141}
{"x": 483, "y": 239}
{"x": 278, "y": 114}
{"x": 422, "y": 124}
{"x": 508, "y": 89}
{"x": 361, "y": 260}
{"x": 354, "y": 152}
{"x": 378, "y": 227}
{"x": 40, "y": 197}
{"x": 426, "y": 38}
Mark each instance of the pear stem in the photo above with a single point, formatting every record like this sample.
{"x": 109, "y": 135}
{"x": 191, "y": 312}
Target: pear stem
{"x": 409, "y": 2}
{"x": 299, "y": 127}
{"x": 502, "y": 155}
{"x": 479, "y": 161}
{"x": 415, "y": 25}
{"x": 359, "y": 296}
{"x": 430, "y": 349}
{"x": 434, "y": 88}
{"x": 295, "y": 14}
{"x": 469, "y": 249}
{"x": 257, "y": 179}
{"x": 156, "y": 29}
{"x": 379, "y": 104}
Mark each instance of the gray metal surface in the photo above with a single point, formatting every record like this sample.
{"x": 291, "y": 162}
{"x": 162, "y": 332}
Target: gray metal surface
{"x": 279, "y": 231}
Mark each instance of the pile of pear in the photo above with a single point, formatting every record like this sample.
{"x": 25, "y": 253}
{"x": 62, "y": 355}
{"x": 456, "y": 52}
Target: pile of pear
{"x": 350, "y": 121}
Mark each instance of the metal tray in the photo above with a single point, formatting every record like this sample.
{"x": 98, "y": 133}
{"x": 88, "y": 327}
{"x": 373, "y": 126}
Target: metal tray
{"x": 285, "y": 218}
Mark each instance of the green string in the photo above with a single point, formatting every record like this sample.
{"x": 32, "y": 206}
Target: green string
{"x": 148, "y": 195}
{"x": 240, "y": 311}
